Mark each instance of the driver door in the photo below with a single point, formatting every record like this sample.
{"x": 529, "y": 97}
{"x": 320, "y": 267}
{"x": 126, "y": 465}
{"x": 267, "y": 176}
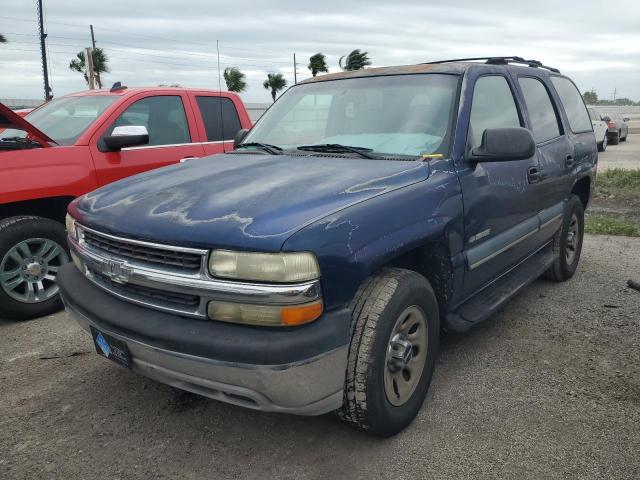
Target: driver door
{"x": 498, "y": 198}
{"x": 172, "y": 136}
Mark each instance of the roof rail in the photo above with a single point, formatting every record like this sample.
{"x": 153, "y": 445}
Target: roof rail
{"x": 501, "y": 61}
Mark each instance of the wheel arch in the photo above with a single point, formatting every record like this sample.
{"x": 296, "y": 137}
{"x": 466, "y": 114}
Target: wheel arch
{"x": 582, "y": 188}
{"x": 54, "y": 208}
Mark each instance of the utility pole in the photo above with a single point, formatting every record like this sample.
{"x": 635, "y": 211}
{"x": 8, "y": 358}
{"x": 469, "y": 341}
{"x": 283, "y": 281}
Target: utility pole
{"x": 295, "y": 70}
{"x": 615, "y": 91}
{"x": 93, "y": 44}
{"x": 43, "y": 52}
{"x": 88, "y": 55}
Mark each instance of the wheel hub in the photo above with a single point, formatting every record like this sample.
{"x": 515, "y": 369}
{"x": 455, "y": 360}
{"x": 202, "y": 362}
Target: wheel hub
{"x": 400, "y": 351}
{"x": 34, "y": 269}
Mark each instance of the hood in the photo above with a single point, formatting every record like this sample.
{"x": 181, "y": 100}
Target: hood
{"x": 10, "y": 119}
{"x": 242, "y": 201}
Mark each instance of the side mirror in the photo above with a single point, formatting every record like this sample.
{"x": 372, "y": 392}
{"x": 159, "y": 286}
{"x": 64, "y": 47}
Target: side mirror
{"x": 240, "y": 136}
{"x": 625, "y": 119}
{"x": 504, "y": 144}
{"x": 127, "y": 136}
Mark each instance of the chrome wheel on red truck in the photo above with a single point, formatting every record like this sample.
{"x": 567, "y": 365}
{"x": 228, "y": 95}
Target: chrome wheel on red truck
{"x": 31, "y": 251}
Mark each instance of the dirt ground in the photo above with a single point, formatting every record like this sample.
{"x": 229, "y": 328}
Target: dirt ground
{"x": 547, "y": 388}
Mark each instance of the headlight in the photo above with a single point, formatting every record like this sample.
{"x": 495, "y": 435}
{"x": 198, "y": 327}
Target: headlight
{"x": 264, "y": 267}
{"x": 71, "y": 226}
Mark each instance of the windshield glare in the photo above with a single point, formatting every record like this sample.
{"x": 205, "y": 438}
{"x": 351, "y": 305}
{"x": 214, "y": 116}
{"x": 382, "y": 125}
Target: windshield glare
{"x": 65, "y": 119}
{"x": 395, "y": 115}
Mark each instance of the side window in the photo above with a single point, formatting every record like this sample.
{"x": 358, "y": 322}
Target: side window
{"x": 573, "y": 104}
{"x": 163, "y": 116}
{"x": 218, "y": 112}
{"x": 542, "y": 116}
{"x": 493, "y": 106}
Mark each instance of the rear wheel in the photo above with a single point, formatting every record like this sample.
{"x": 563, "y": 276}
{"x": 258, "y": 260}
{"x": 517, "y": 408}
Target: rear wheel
{"x": 567, "y": 243}
{"x": 31, "y": 251}
{"x": 624, "y": 139}
{"x": 394, "y": 343}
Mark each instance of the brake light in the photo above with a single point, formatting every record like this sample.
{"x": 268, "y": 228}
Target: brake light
{"x": 611, "y": 125}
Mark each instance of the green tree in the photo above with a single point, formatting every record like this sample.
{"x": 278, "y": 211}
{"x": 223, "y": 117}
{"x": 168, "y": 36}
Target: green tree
{"x": 356, "y": 60}
{"x": 100, "y": 65}
{"x": 590, "y": 97}
{"x": 3, "y": 39}
{"x": 317, "y": 64}
{"x": 234, "y": 79}
{"x": 274, "y": 82}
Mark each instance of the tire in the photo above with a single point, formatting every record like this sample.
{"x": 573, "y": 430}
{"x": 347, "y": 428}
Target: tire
{"x": 31, "y": 250}
{"x": 624, "y": 139}
{"x": 565, "y": 265}
{"x": 378, "y": 310}
{"x": 602, "y": 146}
{"x": 614, "y": 140}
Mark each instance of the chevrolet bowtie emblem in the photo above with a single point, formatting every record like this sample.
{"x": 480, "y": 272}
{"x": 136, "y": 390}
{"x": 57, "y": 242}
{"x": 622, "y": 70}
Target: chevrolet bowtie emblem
{"x": 116, "y": 270}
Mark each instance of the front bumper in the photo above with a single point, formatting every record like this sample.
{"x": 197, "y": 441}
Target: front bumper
{"x": 299, "y": 370}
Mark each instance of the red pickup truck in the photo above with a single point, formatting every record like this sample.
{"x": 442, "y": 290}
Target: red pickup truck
{"x": 77, "y": 143}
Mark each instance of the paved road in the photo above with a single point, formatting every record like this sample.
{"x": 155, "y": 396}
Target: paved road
{"x": 547, "y": 388}
{"x": 624, "y": 155}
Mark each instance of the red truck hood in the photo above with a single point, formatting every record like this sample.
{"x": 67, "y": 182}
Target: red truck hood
{"x": 10, "y": 119}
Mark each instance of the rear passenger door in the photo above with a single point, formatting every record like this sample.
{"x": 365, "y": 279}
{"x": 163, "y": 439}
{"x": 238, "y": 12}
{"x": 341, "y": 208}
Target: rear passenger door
{"x": 219, "y": 121}
{"x": 499, "y": 207}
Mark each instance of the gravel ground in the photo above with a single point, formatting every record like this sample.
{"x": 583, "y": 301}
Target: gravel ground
{"x": 624, "y": 155}
{"x": 547, "y": 388}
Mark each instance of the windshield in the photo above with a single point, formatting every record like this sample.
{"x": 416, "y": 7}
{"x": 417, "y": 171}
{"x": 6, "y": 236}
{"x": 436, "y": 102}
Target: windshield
{"x": 393, "y": 115}
{"x": 65, "y": 119}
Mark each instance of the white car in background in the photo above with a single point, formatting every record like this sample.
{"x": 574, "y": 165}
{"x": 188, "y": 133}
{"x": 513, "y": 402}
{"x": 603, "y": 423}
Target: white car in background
{"x": 599, "y": 129}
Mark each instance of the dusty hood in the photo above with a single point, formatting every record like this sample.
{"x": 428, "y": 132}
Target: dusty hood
{"x": 252, "y": 202}
{"x": 10, "y": 119}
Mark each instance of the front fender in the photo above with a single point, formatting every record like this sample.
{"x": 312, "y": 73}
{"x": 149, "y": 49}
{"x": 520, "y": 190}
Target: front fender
{"x": 355, "y": 242}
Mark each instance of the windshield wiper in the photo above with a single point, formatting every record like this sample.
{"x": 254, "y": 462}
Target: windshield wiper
{"x": 339, "y": 148}
{"x": 271, "y": 149}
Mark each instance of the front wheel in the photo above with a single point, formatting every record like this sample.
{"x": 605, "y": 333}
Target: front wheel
{"x": 31, "y": 251}
{"x": 567, "y": 243}
{"x": 394, "y": 344}
{"x": 602, "y": 146}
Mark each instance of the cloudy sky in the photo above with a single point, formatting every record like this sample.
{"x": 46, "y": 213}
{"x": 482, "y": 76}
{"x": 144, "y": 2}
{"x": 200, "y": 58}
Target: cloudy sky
{"x": 163, "y": 41}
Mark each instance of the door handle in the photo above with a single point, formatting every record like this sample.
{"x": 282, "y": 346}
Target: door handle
{"x": 534, "y": 174}
{"x": 182, "y": 160}
{"x": 569, "y": 161}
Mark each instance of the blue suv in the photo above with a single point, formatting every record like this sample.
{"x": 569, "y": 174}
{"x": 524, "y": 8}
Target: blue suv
{"x": 313, "y": 268}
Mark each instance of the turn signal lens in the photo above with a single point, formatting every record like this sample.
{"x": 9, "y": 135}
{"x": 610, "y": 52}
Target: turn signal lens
{"x": 70, "y": 223}
{"x": 264, "y": 315}
{"x": 264, "y": 267}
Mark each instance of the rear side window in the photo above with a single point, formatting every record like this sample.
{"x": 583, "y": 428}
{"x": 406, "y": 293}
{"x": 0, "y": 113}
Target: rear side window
{"x": 573, "y": 104}
{"x": 544, "y": 122}
{"x": 220, "y": 118}
{"x": 493, "y": 106}
{"x": 163, "y": 116}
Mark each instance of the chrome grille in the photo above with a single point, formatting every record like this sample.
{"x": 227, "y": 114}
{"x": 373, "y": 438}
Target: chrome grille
{"x": 175, "y": 300}
{"x": 154, "y": 256}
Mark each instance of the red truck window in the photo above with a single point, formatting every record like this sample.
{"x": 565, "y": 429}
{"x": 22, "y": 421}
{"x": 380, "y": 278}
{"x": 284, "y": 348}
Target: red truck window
{"x": 163, "y": 116}
{"x": 216, "y": 112}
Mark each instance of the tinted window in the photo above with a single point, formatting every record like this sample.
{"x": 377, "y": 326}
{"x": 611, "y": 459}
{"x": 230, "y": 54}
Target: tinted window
{"x": 573, "y": 104}
{"x": 492, "y": 107}
{"x": 163, "y": 116}
{"x": 542, "y": 116}
{"x": 214, "y": 119}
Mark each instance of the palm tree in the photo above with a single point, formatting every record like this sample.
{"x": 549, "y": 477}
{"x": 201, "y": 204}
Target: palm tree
{"x": 234, "y": 79}
{"x": 317, "y": 64}
{"x": 3, "y": 39}
{"x": 274, "y": 82}
{"x": 100, "y": 64}
{"x": 356, "y": 60}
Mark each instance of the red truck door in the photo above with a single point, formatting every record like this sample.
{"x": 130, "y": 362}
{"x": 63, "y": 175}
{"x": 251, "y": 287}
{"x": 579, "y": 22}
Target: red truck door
{"x": 220, "y": 116}
{"x": 173, "y": 135}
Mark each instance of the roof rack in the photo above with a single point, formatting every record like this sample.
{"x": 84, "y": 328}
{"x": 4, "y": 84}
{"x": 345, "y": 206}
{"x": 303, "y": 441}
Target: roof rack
{"x": 501, "y": 61}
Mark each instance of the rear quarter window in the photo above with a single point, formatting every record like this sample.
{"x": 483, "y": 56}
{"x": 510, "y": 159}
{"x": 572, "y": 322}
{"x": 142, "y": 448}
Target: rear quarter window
{"x": 573, "y": 104}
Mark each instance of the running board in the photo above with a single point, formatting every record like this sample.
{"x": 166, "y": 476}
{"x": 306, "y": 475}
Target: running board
{"x": 491, "y": 298}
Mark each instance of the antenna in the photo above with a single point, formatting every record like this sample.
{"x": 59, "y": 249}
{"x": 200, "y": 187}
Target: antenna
{"x": 224, "y": 149}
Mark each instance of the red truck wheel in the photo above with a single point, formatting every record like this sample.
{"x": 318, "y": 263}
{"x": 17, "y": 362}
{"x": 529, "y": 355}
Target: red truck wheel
{"x": 31, "y": 251}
